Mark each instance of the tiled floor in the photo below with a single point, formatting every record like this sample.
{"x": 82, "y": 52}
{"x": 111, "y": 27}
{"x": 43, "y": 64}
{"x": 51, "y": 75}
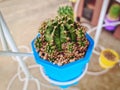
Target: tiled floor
{"x": 23, "y": 18}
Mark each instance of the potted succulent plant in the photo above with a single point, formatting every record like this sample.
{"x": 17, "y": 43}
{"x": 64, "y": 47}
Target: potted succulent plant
{"x": 113, "y": 16}
{"x": 63, "y": 48}
{"x": 108, "y": 58}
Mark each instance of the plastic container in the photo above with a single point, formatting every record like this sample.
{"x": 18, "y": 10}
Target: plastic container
{"x": 106, "y": 63}
{"x": 68, "y": 71}
{"x": 110, "y": 27}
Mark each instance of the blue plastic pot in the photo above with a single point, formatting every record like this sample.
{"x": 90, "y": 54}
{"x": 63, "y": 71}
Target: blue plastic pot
{"x": 68, "y": 71}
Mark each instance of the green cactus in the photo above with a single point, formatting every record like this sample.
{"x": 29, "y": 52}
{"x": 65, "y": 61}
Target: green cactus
{"x": 114, "y": 11}
{"x": 61, "y": 38}
{"x": 66, "y": 10}
{"x": 70, "y": 47}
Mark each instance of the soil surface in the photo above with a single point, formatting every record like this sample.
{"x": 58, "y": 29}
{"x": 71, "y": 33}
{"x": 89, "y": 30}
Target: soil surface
{"x": 109, "y": 55}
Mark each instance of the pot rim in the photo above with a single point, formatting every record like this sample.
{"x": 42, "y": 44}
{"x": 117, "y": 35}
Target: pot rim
{"x": 113, "y": 52}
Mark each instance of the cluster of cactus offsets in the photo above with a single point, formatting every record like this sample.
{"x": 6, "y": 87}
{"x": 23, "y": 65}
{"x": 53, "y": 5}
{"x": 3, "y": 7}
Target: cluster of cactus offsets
{"x": 62, "y": 40}
{"x": 66, "y": 10}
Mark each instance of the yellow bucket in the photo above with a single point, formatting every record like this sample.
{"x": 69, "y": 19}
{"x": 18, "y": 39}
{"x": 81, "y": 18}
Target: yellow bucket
{"x": 107, "y": 63}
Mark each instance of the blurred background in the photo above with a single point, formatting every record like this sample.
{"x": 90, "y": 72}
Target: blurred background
{"x": 24, "y": 17}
